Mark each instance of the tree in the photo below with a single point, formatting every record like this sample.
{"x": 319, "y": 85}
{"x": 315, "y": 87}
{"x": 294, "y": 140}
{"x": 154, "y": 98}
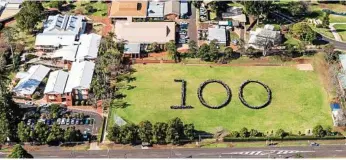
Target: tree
{"x": 19, "y": 152}
{"x": 253, "y": 133}
{"x": 325, "y": 20}
{"x": 227, "y": 56}
{"x": 193, "y": 49}
{"x": 175, "y": 130}
{"x": 330, "y": 55}
{"x": 189, "y": 131}
{"x": 203, "y": 50}
{"x": 297, "y": 8}
{"x": 56, "y": 135}
{"x": 71, "y": 134}
{"x": 329, "y": 131}
{"x": 214, "y": 51}
{"x": 303, "y": 32}
{"x": 4, "y": 128}
{"x": 159, "y": 132}
{"x": 155, "y": 47}
{"x": 257, "y": 8}
{"x": 280, "y": 133}
{"x": 54, "y": 110}
{"x": 129, "y": 133}
{"x": 23, "y": 132}
{"x": 196, "y": 3}
{"x": 29, "y": 15}
{"x": 41, "y": 133}
{"x": 318, "y": 131}
{"x": 114, "y": 134}
{"x": 89, "y": 9}
{"x": 234, "y": 134}
{"x": 172, "y": 50}
{"x": 9, "y": 34}
{"x": 56, "y": 4}
{"x": 145, "y": 131}
{"x": 244, "y": 133}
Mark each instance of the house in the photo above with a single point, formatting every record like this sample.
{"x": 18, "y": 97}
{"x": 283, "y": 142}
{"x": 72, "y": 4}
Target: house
{"x": 60, "y": 30}
{"x": 78, "y": 83}
{"x": 54, "y": 91}
{"x": 184, "y": 9}
{"x": 171, "y": 9}
{"x": 9, "y": 8}
{"x": 262, "y": 37}
{"x": 126, "y": 10}
{"x": 65, "y": 55}
{"x": 155, "y": 9}
{"x": 145, "y": 32}
{"x": 30, "y": 80}
{"x": 234, "y": 13}
{"x": 89, "y": 47}
{"x": 218, "y": 34}
{"x": 132, "y": 50}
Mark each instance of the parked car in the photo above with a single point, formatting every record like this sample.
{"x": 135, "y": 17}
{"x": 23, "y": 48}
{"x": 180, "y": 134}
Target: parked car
{"x": 58, "y": 121}
{"x": 29, "y": 122}
{"x": 87, "y": 121}
{"x": 73, "y": 121}
{"x": 43, "y": 105}
{"x": 92, "y": 121}
{"x": 77, "y": 121}
{"x": 68, "y": 121}
{"x": 48, "y": 121}
{"x": 29, "y": 103}
{"x": 63, "y": 121}
{"x": 314, "y": 144}
{"x": 81, "y": 121}
{"x": 42, "y": 120}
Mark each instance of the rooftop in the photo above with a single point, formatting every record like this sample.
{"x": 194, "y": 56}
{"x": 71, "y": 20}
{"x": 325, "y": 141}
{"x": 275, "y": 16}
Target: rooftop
{"x": 80, "y": 76}
{"x": 132, "y": 48}
{"x": 155, "y": 9}
{"x": 29, "y": 84}
{"x": 172, "y": 7}
{"x": 66, "y": 53}
{"x": 128, "y": 9}
{"x": 56, "y": 82}
{"x": 55, "y": 40}
{"x": 145, "y": 32}
{"x": 89, "y": 46}
{"x": 217, "y": 33}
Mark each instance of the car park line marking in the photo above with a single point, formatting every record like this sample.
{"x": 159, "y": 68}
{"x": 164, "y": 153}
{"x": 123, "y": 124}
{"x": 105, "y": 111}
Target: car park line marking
{"x": 338, "y": 150}
{"x": 53, "y": 156}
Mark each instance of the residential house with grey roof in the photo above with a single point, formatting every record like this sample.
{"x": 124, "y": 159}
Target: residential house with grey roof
{"x": 218, "y": 34}
{"x": 54, "y": 91}
{"x": 264, "y": 38}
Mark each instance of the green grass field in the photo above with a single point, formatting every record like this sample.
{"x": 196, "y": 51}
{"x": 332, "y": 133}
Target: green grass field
{"x": 341, "y": 29}
{"x": 298, "y": 103}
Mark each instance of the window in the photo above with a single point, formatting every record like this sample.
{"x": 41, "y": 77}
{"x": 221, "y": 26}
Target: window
{"x": 51, "y": 97}
{"x": 77, "y": 97}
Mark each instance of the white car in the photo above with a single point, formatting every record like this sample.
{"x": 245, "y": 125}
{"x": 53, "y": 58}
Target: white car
{"x": 29, "y": 103}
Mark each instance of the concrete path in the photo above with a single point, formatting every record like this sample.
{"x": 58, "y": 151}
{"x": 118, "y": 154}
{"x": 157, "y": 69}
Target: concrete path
{"x": 335, "y": 33}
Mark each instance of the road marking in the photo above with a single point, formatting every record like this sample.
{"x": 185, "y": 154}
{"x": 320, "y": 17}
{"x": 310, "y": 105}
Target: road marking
{"x": 53, "y": 156}
{"x": 79, "y": 156}
{"x": 338, "y": 150}
{"x": 103, "y": 155}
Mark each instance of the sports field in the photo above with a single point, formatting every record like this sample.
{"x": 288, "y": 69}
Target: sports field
{"x": 299, "y": 101}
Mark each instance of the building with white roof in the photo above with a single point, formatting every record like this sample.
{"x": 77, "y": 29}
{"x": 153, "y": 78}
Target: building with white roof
{"x": 27, "y": 85}
{"x": 79, "y": 80}
{"x": 60, "y": 30}
{"x": 155, "y": 9}
{"x": 89, "y": 46}
{"x": 218, "y": 34}
{"x": 262, "y": 37}
{"x": 55, "y": 86}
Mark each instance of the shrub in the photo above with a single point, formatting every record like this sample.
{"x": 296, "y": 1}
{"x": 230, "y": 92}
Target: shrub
{"x": 82, "y": 103}
{"x": 89, "y": 9}
{"x": 29, "y": 57}
{"x": 76, "y": 103}
{"x": 35, "y": 96}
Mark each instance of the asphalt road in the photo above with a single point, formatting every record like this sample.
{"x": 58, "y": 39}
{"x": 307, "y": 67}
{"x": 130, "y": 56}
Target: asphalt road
{"x": 264, "y": 152}
{"x": 192, "y": 30}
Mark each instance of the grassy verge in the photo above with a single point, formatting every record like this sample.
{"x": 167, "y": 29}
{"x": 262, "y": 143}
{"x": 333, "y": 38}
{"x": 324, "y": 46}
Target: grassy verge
{"x": 337, "y": 19}
{"x": 341, "y": 29}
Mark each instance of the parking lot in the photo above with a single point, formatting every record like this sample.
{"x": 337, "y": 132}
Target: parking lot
{"x": 86, "y": 122}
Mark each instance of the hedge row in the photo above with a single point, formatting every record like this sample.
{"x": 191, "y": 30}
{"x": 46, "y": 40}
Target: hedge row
{"x": 288, "y": 138}
{"x": 334, "y": 12}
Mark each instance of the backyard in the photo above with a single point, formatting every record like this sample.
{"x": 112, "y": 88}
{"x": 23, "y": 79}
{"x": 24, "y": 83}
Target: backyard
{"x": 299, "y": 102}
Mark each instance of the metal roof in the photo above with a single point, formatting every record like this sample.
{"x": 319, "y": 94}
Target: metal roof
{"x": 55, "y": 40}
{"x": 29, "y": 84}
{"x": 132, "y": 48}
{"x": 80, "y": 76}
{"x": 184, "y": 8}
{"x": 56, "y": 82}
{"x": 217, "y": 33}
{"x": 155, "y": 9}
{"x": 66, "y": 53}
{"x": 172, "y": 7}
{"x": 89, "y": 46}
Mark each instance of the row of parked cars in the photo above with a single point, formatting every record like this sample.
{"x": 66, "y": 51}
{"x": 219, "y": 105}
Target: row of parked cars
{"x": 183, "y": 37}
{"x": 63, "y": 121}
